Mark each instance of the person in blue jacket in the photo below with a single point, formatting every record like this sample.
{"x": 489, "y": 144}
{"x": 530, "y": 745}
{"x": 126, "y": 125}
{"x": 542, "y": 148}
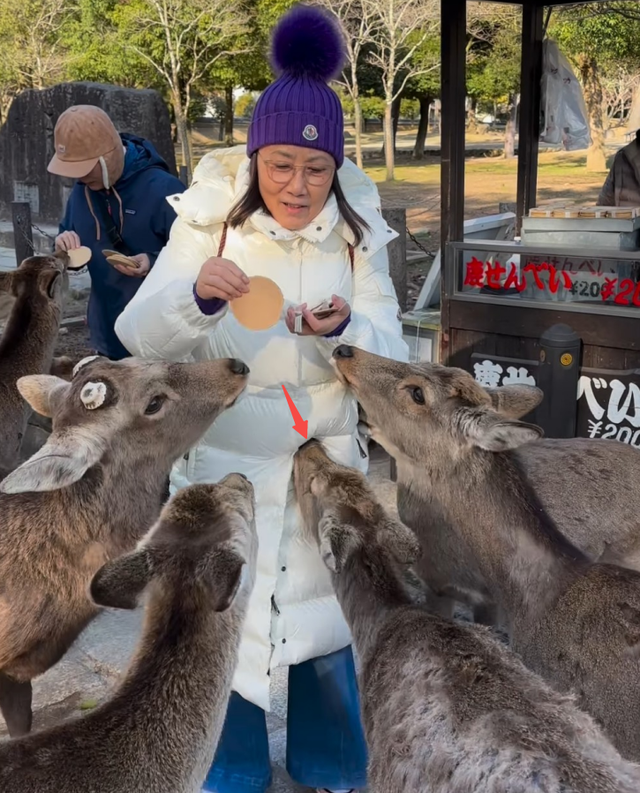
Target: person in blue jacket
{"x": 118, "y": 203}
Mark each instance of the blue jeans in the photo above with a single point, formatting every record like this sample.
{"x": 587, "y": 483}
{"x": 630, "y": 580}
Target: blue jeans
{"x": 325, "y": 741}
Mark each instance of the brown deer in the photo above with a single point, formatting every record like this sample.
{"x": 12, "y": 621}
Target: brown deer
{"x": 159, "y": 731}
{"x": 88, "y": 496}
{"x": 39, "y": 287}
{"x": 575, "y": 622}
{"x": 446, "y": 707}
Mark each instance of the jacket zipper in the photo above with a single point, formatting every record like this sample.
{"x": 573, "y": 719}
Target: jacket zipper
{"x": 300, "y": 301}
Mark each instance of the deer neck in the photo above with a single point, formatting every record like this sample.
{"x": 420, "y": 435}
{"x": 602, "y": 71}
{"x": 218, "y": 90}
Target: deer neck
{"x": 489, "y": 503}
{"x": 119, "y": 499}
{"x": 31, "y": 332}
{"x": 368, "y": 590}
{"x": 183, "y": 669}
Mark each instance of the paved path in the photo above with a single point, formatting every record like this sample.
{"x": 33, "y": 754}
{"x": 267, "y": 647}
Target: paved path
{"x": 94, "y": 664}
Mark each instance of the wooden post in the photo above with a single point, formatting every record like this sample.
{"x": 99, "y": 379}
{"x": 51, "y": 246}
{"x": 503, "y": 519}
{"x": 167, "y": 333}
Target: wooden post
{"x": 22, "y": 232}
{"x": 530, "y": 93}
{"x": 453, "y": 93}
{"x": 184, "y": 176}
{"x": 397, "y": 219}
{"x": 452, "y": 136}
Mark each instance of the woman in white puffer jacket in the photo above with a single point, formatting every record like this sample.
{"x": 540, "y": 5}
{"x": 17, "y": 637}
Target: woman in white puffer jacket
{"x": 292, "y": 209}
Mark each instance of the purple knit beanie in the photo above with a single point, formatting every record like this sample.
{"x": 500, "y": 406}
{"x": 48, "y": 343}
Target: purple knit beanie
{"x": 299, "y": 108}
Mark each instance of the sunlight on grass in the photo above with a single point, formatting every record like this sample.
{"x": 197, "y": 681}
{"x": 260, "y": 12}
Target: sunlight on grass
{"x": 560, "y": 164}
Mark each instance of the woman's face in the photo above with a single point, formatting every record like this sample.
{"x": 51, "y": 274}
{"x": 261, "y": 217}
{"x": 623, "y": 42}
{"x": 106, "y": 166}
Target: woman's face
{"x": 294, "y": 183}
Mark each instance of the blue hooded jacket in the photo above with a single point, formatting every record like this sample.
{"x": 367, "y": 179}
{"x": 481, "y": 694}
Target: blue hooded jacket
{"x": 147, "y": 219}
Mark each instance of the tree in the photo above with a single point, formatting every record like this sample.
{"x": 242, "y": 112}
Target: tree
{"x": 424, "y": 88}
{"x": 595, "y": 42}
{"x": 359, "y": 24}
{"x": 493, "y": 55}
{"x": 181, "y": 40}
{"x": 401, "y": 28}
{"x": 33, "y": 53}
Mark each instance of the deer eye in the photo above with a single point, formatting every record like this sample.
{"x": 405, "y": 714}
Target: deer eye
{"x": 155, "y": 404}
{"x": 417, "y": 395}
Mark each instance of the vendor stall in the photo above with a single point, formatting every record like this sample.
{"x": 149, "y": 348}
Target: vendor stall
{"x": 558, "y": 306}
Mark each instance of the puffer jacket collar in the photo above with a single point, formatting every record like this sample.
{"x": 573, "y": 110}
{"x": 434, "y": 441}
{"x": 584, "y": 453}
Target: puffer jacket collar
{"x": 222, "y": 177}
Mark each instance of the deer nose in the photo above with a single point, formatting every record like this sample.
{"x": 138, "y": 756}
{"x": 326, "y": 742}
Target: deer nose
{"x": 238, "y": 367}
{"x": 343, "y": 351}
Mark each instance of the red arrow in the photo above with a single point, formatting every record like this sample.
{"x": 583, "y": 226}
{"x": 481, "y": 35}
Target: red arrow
{"x": 300, "y": 426}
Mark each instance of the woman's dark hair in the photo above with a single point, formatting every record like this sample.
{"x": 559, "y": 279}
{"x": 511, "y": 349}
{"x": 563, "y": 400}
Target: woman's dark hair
{"x": 252, "y": 201}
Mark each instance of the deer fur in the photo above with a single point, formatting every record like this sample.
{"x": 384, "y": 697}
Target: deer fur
{"x": 88, "y": 496}
{"x": 159, "y": 731}
{"x": 39, "y": 287}
{"x": 574, "y": 622}
{"x": 446, "y": 708}
{"x": 589, "y": 488}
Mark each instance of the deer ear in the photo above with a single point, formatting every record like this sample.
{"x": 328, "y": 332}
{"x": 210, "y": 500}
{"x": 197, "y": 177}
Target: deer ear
{"x": 62, "y": 461}
{"x": 490, "y": 431}
{"x": 224, "y": 573}
{"x": 515, "y": 401}
{"x": 42, "y": 392}
{"x": 119, "y": 583}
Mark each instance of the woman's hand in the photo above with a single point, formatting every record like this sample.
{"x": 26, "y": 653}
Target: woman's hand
{"x": 67, "y": 241}
{"x": 311, "y": 325}
{"x": 221, "y": 278}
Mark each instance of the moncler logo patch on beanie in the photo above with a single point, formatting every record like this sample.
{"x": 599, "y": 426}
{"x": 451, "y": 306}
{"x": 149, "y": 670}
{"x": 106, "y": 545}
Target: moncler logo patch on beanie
{"x": 299, "y": 108}
{"x": 310, "y": 132}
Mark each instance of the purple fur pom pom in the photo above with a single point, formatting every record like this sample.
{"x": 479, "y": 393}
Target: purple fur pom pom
{"x": 308, "y": 42}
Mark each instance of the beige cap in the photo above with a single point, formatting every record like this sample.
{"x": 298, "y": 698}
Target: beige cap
{"x": 83, "y": 134}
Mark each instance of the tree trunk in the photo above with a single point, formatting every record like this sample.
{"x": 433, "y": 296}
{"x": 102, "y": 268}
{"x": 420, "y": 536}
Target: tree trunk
{"x": 395, "y": 115}
{"x": 183, "y": 136}
{"x": 228, "y": 116}
{"x": 423, "y": 128}
{"x": 510, "y": 130}
{"x": 388, "y": 139}
{"x": 592, "y": 87}
{"x": 634, "y": 114}
{"x": 472, "y": 122}
{"x": 357, "y": 120}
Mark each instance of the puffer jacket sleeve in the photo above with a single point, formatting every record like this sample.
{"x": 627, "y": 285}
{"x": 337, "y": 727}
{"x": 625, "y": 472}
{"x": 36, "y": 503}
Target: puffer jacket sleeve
{"x": 375, "y": 324}
{"x": 163, "y": 320}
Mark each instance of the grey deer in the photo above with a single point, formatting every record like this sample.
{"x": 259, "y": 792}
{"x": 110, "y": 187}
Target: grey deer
{"x": 159, "y": 731}
{"x": 446, "y": 708}
{"x": 39, "y": 287}
{"x": 88, "y": 496}
{"x": 574, "y": 622}
{"x": 589, "y": 488}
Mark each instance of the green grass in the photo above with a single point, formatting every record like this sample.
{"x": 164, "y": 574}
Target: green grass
{"x": 551, "y": 164}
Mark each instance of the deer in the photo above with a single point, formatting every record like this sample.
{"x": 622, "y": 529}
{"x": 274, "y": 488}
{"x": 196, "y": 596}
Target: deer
{"x": 604, "y": 528}
{"x": 573, "y": 621}
{"x": 88, "y": 495}
{"x": 39, "y": 286}
{"x": 159, "y": 730}
{"x": 446, "y": 707}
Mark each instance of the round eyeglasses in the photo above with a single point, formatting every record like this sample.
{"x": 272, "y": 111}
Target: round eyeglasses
{"x": 282, "y": 172}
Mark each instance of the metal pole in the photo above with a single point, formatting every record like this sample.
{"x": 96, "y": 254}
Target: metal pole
{"x": 184, "y": 176}
{"x": 558, "y": 375}
{"x": 22, "y": 231}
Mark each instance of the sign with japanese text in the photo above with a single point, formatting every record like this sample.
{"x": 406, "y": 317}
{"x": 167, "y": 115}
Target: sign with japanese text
{"x": 497, "y": 371}
{"x": 608, "y": 401}
{"x": 609, "y": 405}
{"x": 565, "y": 280}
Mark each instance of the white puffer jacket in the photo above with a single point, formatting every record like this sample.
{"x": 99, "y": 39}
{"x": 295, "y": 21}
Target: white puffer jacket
{"x": 293, "y": 615}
